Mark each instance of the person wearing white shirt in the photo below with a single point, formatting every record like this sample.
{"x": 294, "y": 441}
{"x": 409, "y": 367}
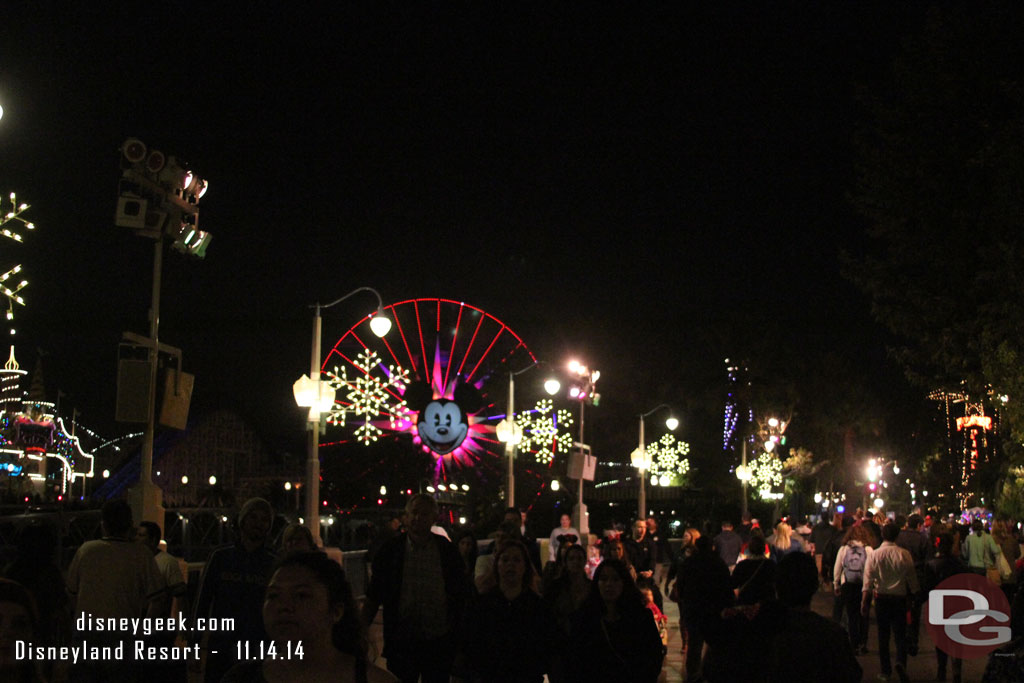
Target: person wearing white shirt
{"x": 889, "y": 575}
{"x": 563, "y": 529}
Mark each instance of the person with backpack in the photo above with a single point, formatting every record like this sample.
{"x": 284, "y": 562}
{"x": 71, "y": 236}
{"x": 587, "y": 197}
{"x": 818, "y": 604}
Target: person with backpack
{"x": 848, "y": 582}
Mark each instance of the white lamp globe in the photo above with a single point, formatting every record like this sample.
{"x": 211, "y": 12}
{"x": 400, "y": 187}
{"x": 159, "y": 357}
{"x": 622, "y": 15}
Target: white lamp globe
{"x": 552, "y": 386}
{"x": 672, "y": 423}
{"x": 380, "y": 324}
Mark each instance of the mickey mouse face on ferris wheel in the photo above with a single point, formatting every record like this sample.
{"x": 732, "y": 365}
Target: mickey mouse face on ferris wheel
{"x": 443, "y": 423}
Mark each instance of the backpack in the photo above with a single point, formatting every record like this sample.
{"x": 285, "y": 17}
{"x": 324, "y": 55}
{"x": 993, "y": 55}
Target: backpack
{"x": 853, "y": 563}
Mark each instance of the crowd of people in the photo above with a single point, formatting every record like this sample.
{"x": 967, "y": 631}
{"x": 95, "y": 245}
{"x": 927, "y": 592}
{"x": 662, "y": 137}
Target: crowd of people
{"x": 480, "y": 610}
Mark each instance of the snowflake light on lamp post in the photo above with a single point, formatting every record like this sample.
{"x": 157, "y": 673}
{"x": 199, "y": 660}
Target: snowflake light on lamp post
{"x": 668, "y": 458}
{"x": 766, "y": 473}
{"x": 544, "y": 428}
{"x": 6, "y": 220}
{"x": 369, "y": 396}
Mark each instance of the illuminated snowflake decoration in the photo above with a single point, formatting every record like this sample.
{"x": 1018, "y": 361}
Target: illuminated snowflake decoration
{"x": 544, "y": 428}
{"x": 8, "y": 288}
{"x": 368, "y": 396}
{"x": 766, "y": 472}
{"x": 668, "y": 457}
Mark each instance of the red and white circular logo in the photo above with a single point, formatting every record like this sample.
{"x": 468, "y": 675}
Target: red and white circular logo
{"x": 967, "y": 616}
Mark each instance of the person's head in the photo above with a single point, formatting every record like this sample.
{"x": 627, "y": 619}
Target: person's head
{"x": 614, "y": 550}
{"x": 783, "y": 532}
{"x": 858, "y": 533}
{"x": 889, "y": 532}
{"x": 507, "y": 531}
{"x": 703, "y": 545}
{"x": 693, "y": 535}
{"x": 512, "y": 515}
{"x": 647, "y": 594}
{"x": 116, "y": 517}
{"x": 297, "y": 538}
{"x": 309, "y": 599}
{"x": 756, "y": 546}
{"x": 796, "y": 579}
{"x": 565, "y": 521}
{"x": 613, "y": 584}
{"x": 652, "y": 525}
{"x": 944, "y": 544}
{"x": 467, "y": 547}
{"x": 254, "y": 521}
{"x": 914, "y": 522}
{"x": 639, "y": 529}
{"x": 512, "y": 566}
{"x": 149, "y": 536}
{"x": 900, "y": 521}
{"x": 18, "y": 621}
{"x": 826, "y": 517}
{"x": 575, "y": 558}
{"x": 420, "y": 515}
{"x": 977, "y": 527}
{"x": 726, "y": 525}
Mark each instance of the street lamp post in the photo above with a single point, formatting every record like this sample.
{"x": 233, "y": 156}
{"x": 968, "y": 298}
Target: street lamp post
{"x": 641, "y": 460}
{"x": 511, "y": 434}
{"x": 311, "y": 392}
{"x": 583, "y": 391}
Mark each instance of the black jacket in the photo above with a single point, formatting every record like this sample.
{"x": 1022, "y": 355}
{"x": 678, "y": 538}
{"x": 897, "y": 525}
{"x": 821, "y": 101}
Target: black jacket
{"x": 386, "y": 585}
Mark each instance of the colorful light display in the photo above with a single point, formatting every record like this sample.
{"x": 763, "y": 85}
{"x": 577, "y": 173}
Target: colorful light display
{"x": 545, "y": 429}
{"x": 442, "y": 343}
{"x": 368, "y": 395}
{"x": 668, "y": 458}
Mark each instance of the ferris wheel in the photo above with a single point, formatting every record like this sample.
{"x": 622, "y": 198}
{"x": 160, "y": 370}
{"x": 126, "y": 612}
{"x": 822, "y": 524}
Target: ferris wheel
{"x": 436, "y": 380}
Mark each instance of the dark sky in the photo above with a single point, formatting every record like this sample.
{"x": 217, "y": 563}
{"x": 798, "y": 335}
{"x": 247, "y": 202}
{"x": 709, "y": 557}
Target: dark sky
{"x": 611, "y": 185}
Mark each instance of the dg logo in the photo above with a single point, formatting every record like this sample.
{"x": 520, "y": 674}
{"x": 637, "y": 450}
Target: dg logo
{"x": 967, "y": 616}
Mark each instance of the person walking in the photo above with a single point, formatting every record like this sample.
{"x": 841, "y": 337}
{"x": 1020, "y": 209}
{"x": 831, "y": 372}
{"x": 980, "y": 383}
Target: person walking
{"x": 728, "y": 544}
{"x": 704, "y": 592}
{"x": 232, "y": 586}
{"x": 890, "y": 578}
{"x": 936, "y": 570}
{"x": 914, "y": 542}
{"x": 420, "y": 580}
{"x": 848, "y": 582}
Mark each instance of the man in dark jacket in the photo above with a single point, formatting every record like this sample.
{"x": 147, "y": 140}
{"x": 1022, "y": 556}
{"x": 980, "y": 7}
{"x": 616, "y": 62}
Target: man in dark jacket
{"x": 728, "y": 544}
{"x": 704, "y": 591}
{"x": 913, "y": 541}
{"x": 418, "y": 577}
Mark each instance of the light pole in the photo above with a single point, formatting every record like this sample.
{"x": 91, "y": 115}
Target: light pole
{"x": 313, "y": 393}
{"x": 511, "y": 434}
{"x": 642, "y": 461}
{"x": 583, "y": 390}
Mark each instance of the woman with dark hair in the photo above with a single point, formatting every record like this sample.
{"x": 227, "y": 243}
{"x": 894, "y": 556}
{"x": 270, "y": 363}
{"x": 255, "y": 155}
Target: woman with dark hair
{"x": 613, "y": 636}
{"x": 466, "y": 544}
{"x": 18, "y": 621}
{"x": 309, "y": 601}
{"x": 510, "y": 636}
{"x": 753, "y": 579}
{"x": 563, "y": 597}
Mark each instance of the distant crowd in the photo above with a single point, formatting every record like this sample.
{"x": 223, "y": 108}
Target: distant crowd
{"x": 505, "y": 609}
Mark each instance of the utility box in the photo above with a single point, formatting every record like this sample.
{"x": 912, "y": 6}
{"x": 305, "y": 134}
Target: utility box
{"x": 582, "y": 465}
{"x": 177, "y": 395}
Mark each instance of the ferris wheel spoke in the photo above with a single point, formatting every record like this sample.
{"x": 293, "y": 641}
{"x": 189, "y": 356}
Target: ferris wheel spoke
{"x": 451, "y": 351}
{"x": 491, "y": 346}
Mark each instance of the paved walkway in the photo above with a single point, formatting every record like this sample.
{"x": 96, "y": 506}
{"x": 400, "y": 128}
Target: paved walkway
{"x": 923, "y": 667}
{"x": 920, "y": 668}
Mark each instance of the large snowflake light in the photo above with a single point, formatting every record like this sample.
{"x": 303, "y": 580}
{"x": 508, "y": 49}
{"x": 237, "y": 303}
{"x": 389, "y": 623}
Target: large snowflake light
{"x": 668, "y": 457}
{"x": 544, "y": 428}
{"x": 766, "y": 472}
{"x": 369, "y": 396}
{"x": 12, "y": 291}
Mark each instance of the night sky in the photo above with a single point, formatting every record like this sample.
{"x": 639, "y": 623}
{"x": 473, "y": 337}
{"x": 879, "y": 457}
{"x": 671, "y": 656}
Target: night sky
{"x": 622, "y": 187}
